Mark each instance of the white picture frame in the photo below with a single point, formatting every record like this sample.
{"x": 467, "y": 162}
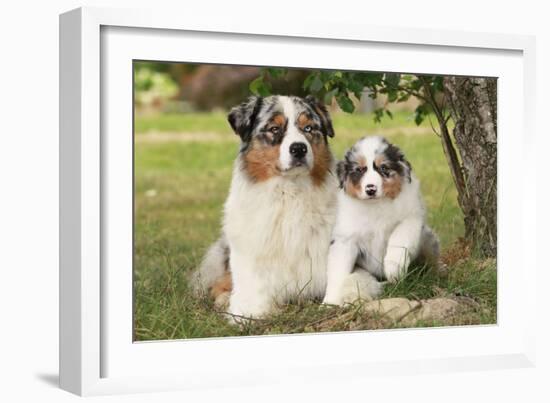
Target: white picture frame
{"x": 97, "y": 354}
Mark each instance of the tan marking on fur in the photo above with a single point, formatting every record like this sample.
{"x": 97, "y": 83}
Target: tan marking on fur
{"x": 322, "y": 159}
{"x": 351, "y": 189}
{"x": 262, "y": 161}
{"x": 391, "y": 187}
{"x": 304, "y": 120}
{"x": 278, "y": 119}
{"x": 355, "y": 189}
{"x": 222, "y": 285}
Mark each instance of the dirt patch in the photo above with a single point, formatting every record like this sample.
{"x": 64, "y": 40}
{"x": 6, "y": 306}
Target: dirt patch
{"x": 460, "y": 250}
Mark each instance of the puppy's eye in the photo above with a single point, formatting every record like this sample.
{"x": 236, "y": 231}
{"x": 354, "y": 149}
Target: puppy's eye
{"x": 275, "y": 130}
{"x": 308, "y": 129}
{"x": 384, "y": 169}
{"x": 358, "y": 169}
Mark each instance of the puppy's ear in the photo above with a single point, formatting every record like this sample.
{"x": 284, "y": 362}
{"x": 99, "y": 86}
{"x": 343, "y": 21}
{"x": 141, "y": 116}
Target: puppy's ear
{"x": 321, "y": 110}
{"x": 397, "y": 157}
{"x": 243, "y": 117}
{"x": 406, "y": 169}
{"x": 341, "y": 173}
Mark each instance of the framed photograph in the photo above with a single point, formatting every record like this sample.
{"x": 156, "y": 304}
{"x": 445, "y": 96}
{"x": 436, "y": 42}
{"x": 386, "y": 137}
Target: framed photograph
{"x": 297, "y": 200}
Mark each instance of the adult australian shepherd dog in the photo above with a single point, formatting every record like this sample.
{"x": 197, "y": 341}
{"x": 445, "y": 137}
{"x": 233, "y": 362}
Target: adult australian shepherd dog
{"x": 279, "y": 215}
{"x": 381, "y": 221}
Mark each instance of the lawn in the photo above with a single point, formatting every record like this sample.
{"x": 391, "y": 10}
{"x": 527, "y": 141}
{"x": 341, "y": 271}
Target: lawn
{"x": 182, "y": 172}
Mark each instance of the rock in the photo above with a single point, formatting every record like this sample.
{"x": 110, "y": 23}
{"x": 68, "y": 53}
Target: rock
{"x": 437, "y": 309}
{"x": 394, "y": 309}
{"x": 407, "y": 312}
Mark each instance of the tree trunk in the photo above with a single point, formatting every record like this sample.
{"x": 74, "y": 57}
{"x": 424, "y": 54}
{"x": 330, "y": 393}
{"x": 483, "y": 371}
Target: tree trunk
{"x": 472, "y": 103}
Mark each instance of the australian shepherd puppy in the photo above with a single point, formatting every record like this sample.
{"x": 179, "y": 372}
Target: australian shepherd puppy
{"x": 280, "y": 211}
{"x": 381, "y": 222}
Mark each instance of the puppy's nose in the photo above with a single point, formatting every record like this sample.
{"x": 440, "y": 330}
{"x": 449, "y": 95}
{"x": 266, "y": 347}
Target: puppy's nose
{"x": 370, "y": 190}
{"x": 298, "y": 150}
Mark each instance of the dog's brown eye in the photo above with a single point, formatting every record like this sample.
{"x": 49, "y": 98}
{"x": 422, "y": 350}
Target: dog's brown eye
{"x": 358, "y": 169}
{"x": 308, "y": 129}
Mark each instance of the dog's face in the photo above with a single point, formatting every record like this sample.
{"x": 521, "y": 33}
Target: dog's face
{"x": 283, "y": 136}
{"x": 373, "y": 169}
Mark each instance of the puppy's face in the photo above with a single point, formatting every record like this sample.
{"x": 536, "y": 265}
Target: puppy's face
{"x": 283, "y": 136}
{"x": 373, "y": 169}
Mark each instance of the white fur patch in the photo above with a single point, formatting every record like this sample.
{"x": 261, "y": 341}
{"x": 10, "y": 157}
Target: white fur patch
{"x": 279, "y": 234}
{"x": 369, "y": 148}
{"x": 293, "y": 135}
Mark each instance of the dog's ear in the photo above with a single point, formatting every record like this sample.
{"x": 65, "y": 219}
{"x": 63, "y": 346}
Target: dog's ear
{"x": 341, "y": 173}
{"x": 321, "y": 110}
{"x": 243, "y": 117}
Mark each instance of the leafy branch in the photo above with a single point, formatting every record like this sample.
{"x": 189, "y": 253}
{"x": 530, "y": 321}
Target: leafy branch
{"x": 342, "y": 86}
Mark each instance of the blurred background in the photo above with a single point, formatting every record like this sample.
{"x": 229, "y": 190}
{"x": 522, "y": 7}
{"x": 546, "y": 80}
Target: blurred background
{"x": 182, "y": 88}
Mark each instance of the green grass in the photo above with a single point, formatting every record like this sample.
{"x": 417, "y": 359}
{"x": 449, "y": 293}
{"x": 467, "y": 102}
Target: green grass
{"x": 216, "y": 122}
{"x": 181, "y": 183}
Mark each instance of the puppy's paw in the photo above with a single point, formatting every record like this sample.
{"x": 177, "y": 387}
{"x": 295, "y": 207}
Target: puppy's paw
{"x": 393, "y": 271}
{"x": 361, "y": 285}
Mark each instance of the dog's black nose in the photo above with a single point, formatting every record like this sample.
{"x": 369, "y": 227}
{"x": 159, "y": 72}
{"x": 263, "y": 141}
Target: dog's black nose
{"x": 298, "y": 150}
{"x": 370, "y": 190}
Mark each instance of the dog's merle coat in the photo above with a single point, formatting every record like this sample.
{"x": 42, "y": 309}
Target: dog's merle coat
{"x": 279, "y": 213}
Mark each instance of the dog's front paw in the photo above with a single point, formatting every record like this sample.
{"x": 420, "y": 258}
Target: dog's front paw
{"x": 233, "y": 319}
{"x": 238, "y": 316}
{"x": 333, "y": 300}
{"x": 234, "y": 316}
{"x": 221, "y": 302}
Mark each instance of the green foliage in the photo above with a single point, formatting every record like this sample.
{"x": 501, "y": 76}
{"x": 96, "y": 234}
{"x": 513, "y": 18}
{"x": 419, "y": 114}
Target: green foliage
{"x": 345, "y": 103}
{"x": 262, "y": 86}
{"x": 344, "y": 85}
{"x": 152, "y": 84}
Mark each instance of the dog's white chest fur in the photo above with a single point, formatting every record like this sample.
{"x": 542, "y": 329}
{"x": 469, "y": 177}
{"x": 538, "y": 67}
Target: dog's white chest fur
{"x": 278, "y": 233}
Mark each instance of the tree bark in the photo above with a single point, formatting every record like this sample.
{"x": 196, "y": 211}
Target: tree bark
{"x": 472, "y": 104}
